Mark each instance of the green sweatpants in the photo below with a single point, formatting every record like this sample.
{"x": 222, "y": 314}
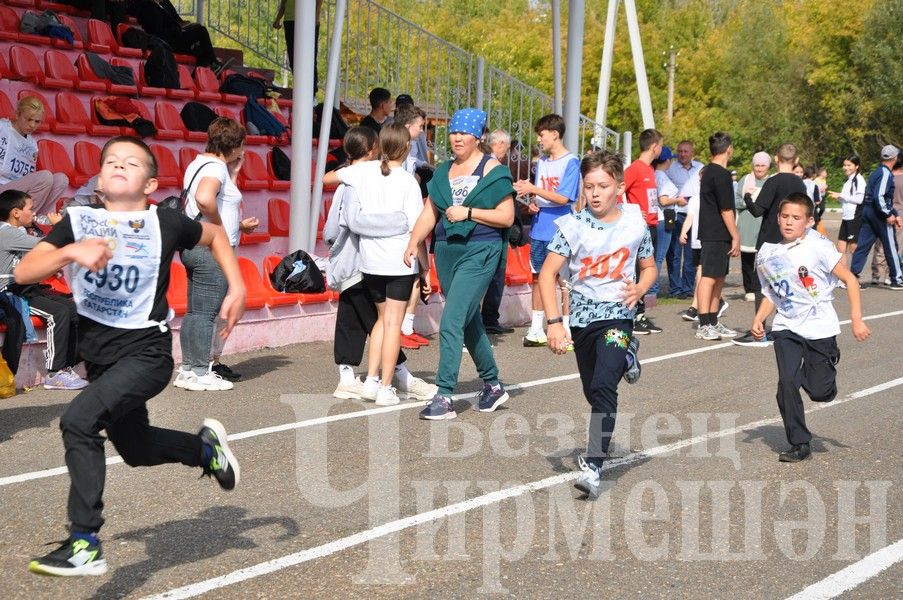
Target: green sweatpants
{"x": 465, "y": 271}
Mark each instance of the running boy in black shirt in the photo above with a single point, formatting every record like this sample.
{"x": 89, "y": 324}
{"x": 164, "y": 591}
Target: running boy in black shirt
{"x": 118, "y": 257}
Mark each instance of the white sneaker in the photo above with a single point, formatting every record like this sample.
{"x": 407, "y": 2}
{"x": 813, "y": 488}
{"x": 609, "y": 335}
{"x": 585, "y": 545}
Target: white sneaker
{"x": 749, "y": 297}
{"x": 725, "y": 332}
{"x": 369, "y": 389}
{"x": 181, "y": 378}
{"x": 417, "y": 389}
{"x": 707, "y": 332}
{"x": 351, "y": 391}
{"x": 386, "y": 396}
{"x": 209, "y": 382}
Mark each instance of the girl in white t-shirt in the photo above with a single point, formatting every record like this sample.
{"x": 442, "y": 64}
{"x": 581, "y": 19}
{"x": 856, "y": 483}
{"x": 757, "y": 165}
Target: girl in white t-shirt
{"x": 850, "y": 196}
{"x": 385, "y": 187}
{"x": 213, "y": 197}
{"x": 19, "y": 157}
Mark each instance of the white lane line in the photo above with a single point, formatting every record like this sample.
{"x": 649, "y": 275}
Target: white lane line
{"x": 290, "y": 560}
{"x": 114, "y": 460}
{"x": 857, "y": 573}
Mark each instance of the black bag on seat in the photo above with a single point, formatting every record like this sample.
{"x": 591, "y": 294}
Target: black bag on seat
{"x": 298, "y": 273}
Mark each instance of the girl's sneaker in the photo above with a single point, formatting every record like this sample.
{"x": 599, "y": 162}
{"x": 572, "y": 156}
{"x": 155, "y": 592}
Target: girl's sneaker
{"x": 65, "y": 379}
{"x": 350, "y": 391}
{"x": 492, "y": 397}
{"x": 439, "y": 408}
{"x": 386, "y": 396}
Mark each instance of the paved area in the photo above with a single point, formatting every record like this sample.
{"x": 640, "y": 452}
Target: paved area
{"x": 343, "y": 499}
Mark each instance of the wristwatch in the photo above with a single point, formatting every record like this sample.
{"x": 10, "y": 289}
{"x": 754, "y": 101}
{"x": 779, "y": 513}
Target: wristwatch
{"x": 555, "y": 320}
{"x": 469, "y": 213}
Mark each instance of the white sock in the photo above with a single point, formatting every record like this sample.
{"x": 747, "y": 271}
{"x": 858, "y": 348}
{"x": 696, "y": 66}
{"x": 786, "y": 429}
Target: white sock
{"x": 346, "y": 374}
{"x": 404, "y": 376}
{"x": 536, "y": 325}
{"x": 407, "y": 326}
{"x": 373, "y": 378}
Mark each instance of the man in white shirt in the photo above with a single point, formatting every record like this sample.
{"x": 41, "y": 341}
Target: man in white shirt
{"x": 679, "y": 257}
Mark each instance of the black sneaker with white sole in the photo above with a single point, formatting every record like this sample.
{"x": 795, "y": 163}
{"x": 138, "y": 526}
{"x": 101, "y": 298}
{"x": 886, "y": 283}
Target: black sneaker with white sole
{"x": 76, "y": 557}
{"x": 691, "y": 314}
{"x": 749, "y": 340}
{"x": 643, "y": 325}
{"x": 222, "y": 464}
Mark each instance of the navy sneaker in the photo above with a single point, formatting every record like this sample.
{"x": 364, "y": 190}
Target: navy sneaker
{"x": 491, "y": 398}
{"x": 634, "y": 369}
{"x": 75, "y": 557}
{"x": 222, "y": 465}
{"x": 439, "y": 408}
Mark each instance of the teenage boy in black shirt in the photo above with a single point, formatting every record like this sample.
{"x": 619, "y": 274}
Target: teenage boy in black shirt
{"x": 118, "y": 256}
{"x": 718, "y": 235}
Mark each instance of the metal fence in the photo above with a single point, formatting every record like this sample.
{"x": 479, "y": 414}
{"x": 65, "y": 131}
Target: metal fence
{"x": 381, "y": 48}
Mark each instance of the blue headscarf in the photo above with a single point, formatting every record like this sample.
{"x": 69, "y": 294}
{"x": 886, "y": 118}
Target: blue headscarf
{"x": 468, "y": 120}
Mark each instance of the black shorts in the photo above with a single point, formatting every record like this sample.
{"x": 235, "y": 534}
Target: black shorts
{"x": 849, "y": 230}
{"x": 696, "y": 257}
{"x": 393, "y": 287}
{"x": 714, "y": 258}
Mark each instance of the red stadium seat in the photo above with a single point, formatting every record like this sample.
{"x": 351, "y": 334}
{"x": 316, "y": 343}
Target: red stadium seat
{"x": 86, "y": 73}
{"x": 168, "y": 174}
{"x": 208, "y": 83}
{"x": 250, "y": 239}
{"x": 278, "y": 217}
{"x": 50, "y": 123}
{"x": 59, "y": 7}
{"x": 9, "y": 24}
{"x": 70, "y": 111}
{"x": 24, "y": 65}
{"x": 253, "y": 174}
{"x": 147, "y": 90}
{"x": 186, "y": 155}
{"x": 53, "y": 157}
{"x": 269, "y": 265}
{"x": 177, "y": 292}
{"x": 278, "y": 298}
{"x": 7, "y": 110}
{"x": 87, "y": 161}
{"x": 68, "y": 22}
{"x": 188, "y": 90}
{"x": 228, "y": 113}
{"x": 101, "y": 40}
{"x": 169, "y": 123}
{"x": 275, "y": 183}
{"x": 58, "y": 66}
{"x": 58, "y": 283}
{"x": 257, "y": 295}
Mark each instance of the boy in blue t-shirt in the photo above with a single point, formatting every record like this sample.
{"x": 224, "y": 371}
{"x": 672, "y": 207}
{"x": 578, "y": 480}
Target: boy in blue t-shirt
{"x": 556, "y": 189}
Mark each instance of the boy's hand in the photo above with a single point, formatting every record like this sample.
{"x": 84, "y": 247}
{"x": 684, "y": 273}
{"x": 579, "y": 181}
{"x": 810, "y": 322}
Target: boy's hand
{"x": 54, "y": 217}
{"x": 735, "y": 247}
{"x": 558, "y": 339}
{"x": 231, "y": 311}
{"x": 410, "y": 255}
{"x": 532, "y": 209}
{"x": 426, "y": 288}
{"x": 92, "y": 254}
{"x": 523, "y": 187}
{"x": 630, "y": 293}
{"x": 249, "y": 225}
{"x": 861, "y": 331}
{"x": 757, "y": 329}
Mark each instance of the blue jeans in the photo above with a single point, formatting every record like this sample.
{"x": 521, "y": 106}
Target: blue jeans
{"x": 681, "y": 272}
{"x": 663, "y": 244}
{"x": 207, "y": 288}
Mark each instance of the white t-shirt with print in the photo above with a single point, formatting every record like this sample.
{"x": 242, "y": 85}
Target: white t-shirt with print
{"x": 18, "y": 154}
{"x": 228, "y": 199}
{"x": 396, "y": 192}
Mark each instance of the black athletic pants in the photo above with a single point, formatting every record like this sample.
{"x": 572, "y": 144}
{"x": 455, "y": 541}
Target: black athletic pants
{"x": 354, "y": 320}
{"x": 116, "y": 401}
{"x": 808, "y": 364}
{"x": 601, "y": 352}
{"x": 751, "y": 283}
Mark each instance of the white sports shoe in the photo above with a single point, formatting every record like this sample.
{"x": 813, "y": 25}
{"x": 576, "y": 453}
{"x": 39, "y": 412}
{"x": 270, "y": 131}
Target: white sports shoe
{"x": 386, "y": 396}
{"x": 725, "y": 332}
{"x": 209, "y": 382}
{"x": 351, "y": 391}
{"x": 181, "y": 378}
{"x": 417, "y": 389}
{"x": 369, "y": 389}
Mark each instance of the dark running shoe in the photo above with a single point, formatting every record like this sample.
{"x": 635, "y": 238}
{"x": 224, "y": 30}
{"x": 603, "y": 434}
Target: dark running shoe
{"x": 796, "y": 453}
{"x": 691, "y": 314}
{"x": 222, "y": 466}
{"x": 74, "y": 558}
{"x": 491, "y": 398}
{"x": 747, "y": 339}
{"x": 225, "y": 372}
{"x": 439, "y": 408}
{"x": 634, "y": 369}
{"x": 643, "y": 325}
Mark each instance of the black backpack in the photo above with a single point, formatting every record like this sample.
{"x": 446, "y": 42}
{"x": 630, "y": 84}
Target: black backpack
{"x": 298, "y": 273}
{"x": 160, "y": 69}
{"x": 243, "y": 85}
{"x": 281, "y": 163}
{"x": 197, "y": 116}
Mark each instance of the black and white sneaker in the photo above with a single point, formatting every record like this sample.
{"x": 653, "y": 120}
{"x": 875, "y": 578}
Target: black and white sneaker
{"x": 643, "y": 325}
{"x": 222, "y": 465}
{"x": 722, "y": 306}
{"x": 76, "y": 557}
{"x": 225, "y": 372}
{"x": 691, "y": 314}
{"x": 747, "y": 339}
{"x": 634, "y": 368}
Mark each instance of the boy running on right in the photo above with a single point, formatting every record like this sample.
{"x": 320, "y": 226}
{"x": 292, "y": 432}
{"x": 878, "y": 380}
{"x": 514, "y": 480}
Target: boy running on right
{"x": 798, "y": 277}
{"x": 601, "y": 246}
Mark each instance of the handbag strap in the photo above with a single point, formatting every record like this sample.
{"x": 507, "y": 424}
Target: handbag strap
{"x": 190, "y": 183}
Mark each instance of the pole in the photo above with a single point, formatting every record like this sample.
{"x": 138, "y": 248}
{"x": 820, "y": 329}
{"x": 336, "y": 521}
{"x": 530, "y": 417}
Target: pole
{"x": 626, "y": 149}
{"x": 329, "y": 100}
{"x": 574, "y": 73}
{"x": 672, "y": 66}
{"x": 481, "y": 79}
{"x": 199, "y": 12}
{"x": 608, "y": 51}
{"x": 302, "y": 128}
{"x": 639, "y": 66}
{"x": 556, "y": 53}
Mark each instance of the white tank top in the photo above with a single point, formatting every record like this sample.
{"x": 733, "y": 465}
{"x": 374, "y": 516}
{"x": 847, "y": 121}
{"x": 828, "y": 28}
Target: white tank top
{"x": 602, "y": 258}
{"x": 120, "y": 295}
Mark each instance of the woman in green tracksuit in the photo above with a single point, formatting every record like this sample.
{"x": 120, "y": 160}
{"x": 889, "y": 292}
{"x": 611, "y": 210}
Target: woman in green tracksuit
{"x": 469, "y": 210}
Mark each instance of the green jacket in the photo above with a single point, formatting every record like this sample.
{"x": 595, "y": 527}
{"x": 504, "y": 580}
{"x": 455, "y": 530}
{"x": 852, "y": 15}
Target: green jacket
{"x": 492, "y": 188}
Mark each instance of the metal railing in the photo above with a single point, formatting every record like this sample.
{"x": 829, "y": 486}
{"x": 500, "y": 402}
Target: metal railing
{"x": 381, "y": 48}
